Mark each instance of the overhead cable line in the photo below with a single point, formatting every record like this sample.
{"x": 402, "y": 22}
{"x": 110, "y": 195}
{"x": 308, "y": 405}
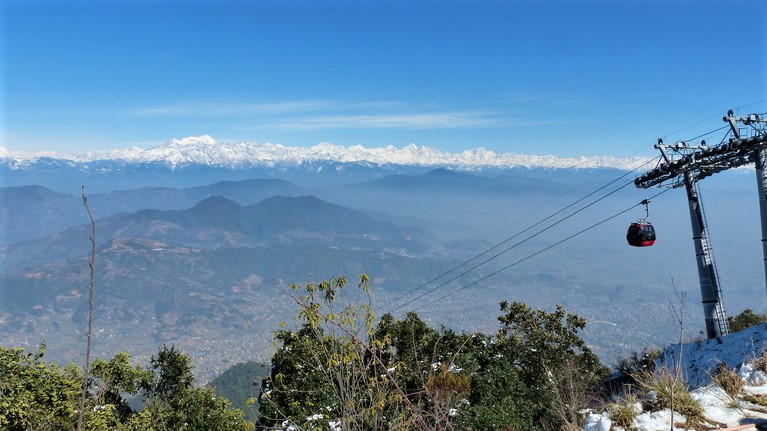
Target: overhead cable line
{"x": 705, "y": 120}
{"x": 555, "y": 199}
{"x": 709, "y": 119}
{"x": 538, "y": 252}
{"x": 553, "y": 245}
{"x": 709, "y": 133}
{"x": 563, "y": 194}
{"x": 507, "y": 249}
{"x": 752, "y": 104}
{"x": 522, "y": 232}
{"x": 433, "y": 280}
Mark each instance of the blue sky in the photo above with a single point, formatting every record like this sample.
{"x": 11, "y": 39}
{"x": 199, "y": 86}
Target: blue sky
{"x": 567, "y": 78}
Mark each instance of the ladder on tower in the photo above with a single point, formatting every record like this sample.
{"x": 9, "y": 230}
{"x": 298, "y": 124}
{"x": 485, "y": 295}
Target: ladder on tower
{"x": 721, "y": 316}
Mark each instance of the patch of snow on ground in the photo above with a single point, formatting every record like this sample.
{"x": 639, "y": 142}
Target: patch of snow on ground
{"x": 700, "y": 360}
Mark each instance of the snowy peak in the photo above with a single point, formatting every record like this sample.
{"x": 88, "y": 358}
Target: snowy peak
{"x": 193, "y": 140}
{"x": 204, "y": 150}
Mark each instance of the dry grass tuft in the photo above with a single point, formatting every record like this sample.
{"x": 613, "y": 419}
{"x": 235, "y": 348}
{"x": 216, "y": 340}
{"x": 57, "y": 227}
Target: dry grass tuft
{"x": 671, "y": 391}
{"x": 729, "y": 381}
{"x": 624, "y": 411}
{"x": 760, "y": 363}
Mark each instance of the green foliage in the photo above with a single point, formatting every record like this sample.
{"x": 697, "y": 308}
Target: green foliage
{"x": 172, "y": 374}
{"x": 36, "y": 395}
{"x": 546, "y": 349}
{"x": 535, "y": 373}
{"x": 39, "y": 396}
{"x": 174, "y": 403}
{"x": 239, "y": 384}
{"x": 638, "y": 362}
{"x": 296, "y": 388}
{"x": 327, "y": 368}
{"x": 412, "y": 346}
{"x": 198, "y": 409}
{"x": 746, "y": 319}
{"x": 499, "y": 399}
{"x": 118, "y": 377}
{"x": 496, "y": 397}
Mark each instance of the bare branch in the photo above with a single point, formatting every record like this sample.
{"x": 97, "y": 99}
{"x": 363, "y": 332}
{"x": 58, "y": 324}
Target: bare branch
{"x": 89, "y": 286}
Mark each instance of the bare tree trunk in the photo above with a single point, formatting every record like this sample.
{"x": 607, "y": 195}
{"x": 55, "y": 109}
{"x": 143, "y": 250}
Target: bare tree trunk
{"x": 92, "y": 265}
{"x": 679, "y": 316}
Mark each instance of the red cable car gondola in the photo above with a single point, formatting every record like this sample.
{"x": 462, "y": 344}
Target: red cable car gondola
{"x": 641, "y": 233}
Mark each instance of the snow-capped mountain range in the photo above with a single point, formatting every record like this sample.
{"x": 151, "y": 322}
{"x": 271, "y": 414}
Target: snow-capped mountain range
{"x": 206, "y": 151}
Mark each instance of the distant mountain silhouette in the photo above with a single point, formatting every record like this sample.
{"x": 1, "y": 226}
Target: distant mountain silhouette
{"x": 443, "y": 180}
{"x": 218, "y": 222}
{"x": 213, "y": 212}
{"x": 245, "y": 192}
{"x": 311, "y": 213}
{"x": 30, "y": 212}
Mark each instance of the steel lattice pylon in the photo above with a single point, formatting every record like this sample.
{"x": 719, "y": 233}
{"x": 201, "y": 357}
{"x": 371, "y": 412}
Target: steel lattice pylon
{"x": 683, "y": 165}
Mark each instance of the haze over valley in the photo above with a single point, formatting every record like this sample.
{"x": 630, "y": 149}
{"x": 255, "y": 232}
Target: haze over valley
{"x": 204, "y": 264}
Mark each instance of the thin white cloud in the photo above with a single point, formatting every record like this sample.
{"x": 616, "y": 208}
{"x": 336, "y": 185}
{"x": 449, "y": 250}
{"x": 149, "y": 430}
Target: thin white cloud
{"x": 394, "y": 121}
{"x": 326, "y": 115}
{"x": 202, "y": 109}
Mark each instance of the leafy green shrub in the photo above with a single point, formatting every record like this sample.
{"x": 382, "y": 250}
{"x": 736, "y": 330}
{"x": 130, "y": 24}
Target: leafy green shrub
{"x": 35, "y": 395}
{"x": 638, "y": 362}
{"x": 332, "y": 367}
{"x": 746, "y": 319}
{"x": 545, "y": 347}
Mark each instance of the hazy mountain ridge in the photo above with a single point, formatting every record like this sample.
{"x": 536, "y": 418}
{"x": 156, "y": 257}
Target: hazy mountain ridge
{"x": 31, "y": 212}
{"x": 245, "y": 192}
{"x": 443, "y": 180}
{"x": 217, "y": 222}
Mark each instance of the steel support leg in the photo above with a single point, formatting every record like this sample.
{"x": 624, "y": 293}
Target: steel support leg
{"x": 761, "y": 184}
{"x": 709, "y": 284}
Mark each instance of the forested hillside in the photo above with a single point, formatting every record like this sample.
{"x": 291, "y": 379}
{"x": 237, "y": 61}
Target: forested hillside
{"x": 241, "y": 385}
